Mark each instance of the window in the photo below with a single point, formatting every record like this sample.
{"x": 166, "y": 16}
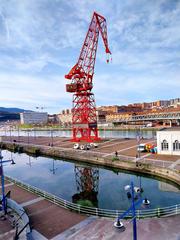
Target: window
{"x": 176, "y": 146}
{"x": 164, "y": 145}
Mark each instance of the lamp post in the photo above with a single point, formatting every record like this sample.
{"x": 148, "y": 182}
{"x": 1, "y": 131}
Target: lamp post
{"x": 28, "y": 136}
{"x": 10, "y": 133}
{"x": 34, "y": 133}
{"x": 4, "y": 207}
{"x": 18, "y": 134}
{"x": 5, "y": 131}
{"x": 138, "y": 138}
{"x": 132, "y": 208}
{"x": 52, "y": 142}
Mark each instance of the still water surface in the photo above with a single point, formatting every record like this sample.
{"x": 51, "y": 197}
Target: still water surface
{"x": 61, "y": 178}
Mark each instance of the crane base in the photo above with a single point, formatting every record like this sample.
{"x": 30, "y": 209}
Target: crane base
{"x": 84, "y": 139}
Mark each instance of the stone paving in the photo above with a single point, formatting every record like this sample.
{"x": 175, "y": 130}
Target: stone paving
{"x": 126, "y": 147}
{"x": 147, "y": 229}
{"x": 46, "y": 217}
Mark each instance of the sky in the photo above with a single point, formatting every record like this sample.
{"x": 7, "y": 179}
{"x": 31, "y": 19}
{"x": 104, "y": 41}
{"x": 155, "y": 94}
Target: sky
{"x": 40, "y": 41}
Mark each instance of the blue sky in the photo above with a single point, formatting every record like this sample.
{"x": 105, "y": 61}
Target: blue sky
{"x": 40, "y": 40}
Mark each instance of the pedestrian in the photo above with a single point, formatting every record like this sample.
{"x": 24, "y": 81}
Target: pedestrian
{"x": 116, "y": 153}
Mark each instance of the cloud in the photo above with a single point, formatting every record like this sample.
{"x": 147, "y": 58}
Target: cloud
{"x": 40, "y": 41}
{"x": 30, "y": 91}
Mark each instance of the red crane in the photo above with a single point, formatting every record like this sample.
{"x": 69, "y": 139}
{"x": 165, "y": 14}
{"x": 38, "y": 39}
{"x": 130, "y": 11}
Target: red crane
{"x": 84, "y": 119}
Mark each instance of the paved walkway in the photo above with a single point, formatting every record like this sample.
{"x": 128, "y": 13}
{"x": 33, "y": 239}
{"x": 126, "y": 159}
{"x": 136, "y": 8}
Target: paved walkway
{"x": 48, "y": 219}
{"x": 173, "y": 165}
{"x": 52, "y": 222}
{"x": 103, "y": 229}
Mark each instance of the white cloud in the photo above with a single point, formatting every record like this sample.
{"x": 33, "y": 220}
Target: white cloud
{"x": 40, "y": 41}
{"x": 30, "y": 91}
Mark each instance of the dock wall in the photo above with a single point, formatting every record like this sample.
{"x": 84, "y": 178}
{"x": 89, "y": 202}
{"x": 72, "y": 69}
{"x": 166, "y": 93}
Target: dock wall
{"x": 92, "y": 158}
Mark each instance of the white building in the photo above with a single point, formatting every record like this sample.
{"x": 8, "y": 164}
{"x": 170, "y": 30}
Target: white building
{"x": 168, "y": 141}
{"x": 34, "y": 117}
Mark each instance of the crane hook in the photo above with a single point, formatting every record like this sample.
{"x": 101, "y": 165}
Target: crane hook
{"x": 107, "y": 57}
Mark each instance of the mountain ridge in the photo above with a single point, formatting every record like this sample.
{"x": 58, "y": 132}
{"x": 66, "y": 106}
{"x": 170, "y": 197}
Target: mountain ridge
{"x": 13, "y": 110}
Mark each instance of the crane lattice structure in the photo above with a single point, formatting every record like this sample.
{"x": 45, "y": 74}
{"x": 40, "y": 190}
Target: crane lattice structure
{"x": 84, "y": 119}
{"x": 87, "y": 182}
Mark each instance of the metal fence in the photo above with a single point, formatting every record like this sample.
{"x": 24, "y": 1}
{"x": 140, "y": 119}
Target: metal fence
{"x": 145, "y": 213}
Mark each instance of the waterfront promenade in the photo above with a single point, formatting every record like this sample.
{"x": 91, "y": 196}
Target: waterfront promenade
{"x": 126, "y": 149}
{"x": 50, "y": 221}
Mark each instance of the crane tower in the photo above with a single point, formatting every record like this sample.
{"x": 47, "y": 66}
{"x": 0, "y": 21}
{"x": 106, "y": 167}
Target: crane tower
{"x": 84, "y": 119}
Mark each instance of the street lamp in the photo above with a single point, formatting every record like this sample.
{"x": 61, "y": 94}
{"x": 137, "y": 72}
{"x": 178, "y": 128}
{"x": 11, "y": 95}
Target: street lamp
{"x": 52, "y": 142}
{"x": 10, "y": 133}
{"x": 34, "y": 133}
{"x": 132, "y": 208}
{"x": 138, "y": 138}
{"x": 28, "y": 136}
{"x": 4, "y": 201}
{"x": 18, "y": 134}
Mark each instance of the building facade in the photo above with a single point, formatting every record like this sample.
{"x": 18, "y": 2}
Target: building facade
{"x": 65, "y": 117}
{"x": 168, "y": 141}
{"x": 34, "y": 117}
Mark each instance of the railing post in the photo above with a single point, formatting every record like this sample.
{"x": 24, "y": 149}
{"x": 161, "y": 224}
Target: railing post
{"x": 158, "y": 212}
{"x": 176, "y": 209}
{"x": 117, "y": 214}
{"x": 138, "y": 213}
{"x": 96, "y": 212}
{"x": 79, "y": 208}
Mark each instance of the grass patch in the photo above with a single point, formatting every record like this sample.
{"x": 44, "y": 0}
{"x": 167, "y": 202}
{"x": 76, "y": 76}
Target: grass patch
{"x": 85, "y": 203}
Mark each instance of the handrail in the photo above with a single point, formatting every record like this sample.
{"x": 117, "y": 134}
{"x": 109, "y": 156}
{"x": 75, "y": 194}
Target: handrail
{"x": 145, "y": 213}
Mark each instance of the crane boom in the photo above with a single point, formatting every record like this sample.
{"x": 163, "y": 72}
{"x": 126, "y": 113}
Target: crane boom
{"x": 81, "y": 75}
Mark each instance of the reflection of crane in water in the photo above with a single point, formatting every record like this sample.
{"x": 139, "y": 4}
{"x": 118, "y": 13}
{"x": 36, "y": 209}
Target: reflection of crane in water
{"x": 87, "y": 181}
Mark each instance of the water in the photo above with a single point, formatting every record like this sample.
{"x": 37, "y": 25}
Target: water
{"x": 68, "y": 133}
{"x": 61, "y": 178}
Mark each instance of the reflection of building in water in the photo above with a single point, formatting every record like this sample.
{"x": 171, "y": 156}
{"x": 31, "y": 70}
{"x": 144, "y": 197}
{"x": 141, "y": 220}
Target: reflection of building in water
{"x": 167, "y": 187}
{"x": 87, "y": 181}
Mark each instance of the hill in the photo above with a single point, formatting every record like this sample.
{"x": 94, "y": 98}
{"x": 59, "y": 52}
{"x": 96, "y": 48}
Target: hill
{"x": 13, "y": 110}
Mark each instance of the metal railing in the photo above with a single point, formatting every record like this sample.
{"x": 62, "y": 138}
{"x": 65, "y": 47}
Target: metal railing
{"x": 145, "y": 213}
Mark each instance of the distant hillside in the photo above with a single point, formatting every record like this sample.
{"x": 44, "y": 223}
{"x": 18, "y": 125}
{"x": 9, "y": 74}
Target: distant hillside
{"x": 9, "y": 114}
{"x": 13, "y": 110}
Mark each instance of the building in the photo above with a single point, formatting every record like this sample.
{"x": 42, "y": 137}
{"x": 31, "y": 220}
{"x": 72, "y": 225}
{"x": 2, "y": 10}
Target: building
{"x": 116, "y": 117}
{"x": 175, "y": 102}
{"x": 110, "y": 109}
{"x": 53, "y": 119}
{"x": 101, "y": 116}
{"x": 34, "y": 117}
{"x": 161, "y": 104}
{"x": 121, "y": 109}
{"x": 168, "y": 141}
{"x": 65, "y": 117}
